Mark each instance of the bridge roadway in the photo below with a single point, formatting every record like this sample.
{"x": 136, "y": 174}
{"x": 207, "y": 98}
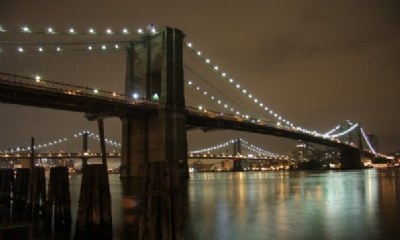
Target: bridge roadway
{"x": 27, "y": 91}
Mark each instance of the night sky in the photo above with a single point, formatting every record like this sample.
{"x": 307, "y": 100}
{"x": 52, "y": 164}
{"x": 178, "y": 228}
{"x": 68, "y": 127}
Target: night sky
{"x": 315, "y": 62}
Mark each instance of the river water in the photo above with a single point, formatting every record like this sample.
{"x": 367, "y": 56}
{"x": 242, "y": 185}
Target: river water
{"x": 359, "y": 204}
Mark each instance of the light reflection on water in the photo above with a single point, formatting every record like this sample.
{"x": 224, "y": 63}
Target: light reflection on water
{"x": 362, "y": 204}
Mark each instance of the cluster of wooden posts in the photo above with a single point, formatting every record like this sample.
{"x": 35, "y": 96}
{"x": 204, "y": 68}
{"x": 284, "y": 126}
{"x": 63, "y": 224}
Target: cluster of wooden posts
{"x": 23, "y": 199}
{"x": 23, "y": 192}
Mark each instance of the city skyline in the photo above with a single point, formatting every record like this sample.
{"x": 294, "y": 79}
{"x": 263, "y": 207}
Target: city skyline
{"x": 315, "y": 64}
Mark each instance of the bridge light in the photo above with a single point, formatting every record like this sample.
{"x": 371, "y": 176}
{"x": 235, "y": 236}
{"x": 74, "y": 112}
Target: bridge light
{"x": 20, "y": 49}
{"x": 37, "y": 78}
{"x": 140, "y": 31}
{"x": 200, "y": 107}
{"x": 190, "y": 82}
{"x": 198, "y": 53}
{"x": 40, "y": 49}
{"x": 250, "y": 96}
{"x": 95, "y": 91}
{"x": 216, "y": 68}
{"x": 135, "y": 96}
{"x": 90, "y": 48}
{"x": 116, "y": 46}
{"x": 237, "y": 85}
{"x": 50, "y": 30}
{"x": 58, "y": 49}
{"x": 230, "y": 80}
{"x": 104, "y": 47}
{"x": 72, "y": 31}
{"x": 219, "y": 101}
{"x": 2, "y": 29}
{"x": 189, "y": 45}
{"x": 255, "y": 100}
{"x": 26, "y": 29}
{"x": 109, "y": 31}
{"x": 223, "y": 74}
{"x": 225, "y": 105}
{"x": 155, "y": 97}
{"x": 208, "y": 60}
{"x": 125, "y": 31}
{"x": 261, "y": 104}
{"x": 205, "y": 93}
{"x": 92, "y": 31}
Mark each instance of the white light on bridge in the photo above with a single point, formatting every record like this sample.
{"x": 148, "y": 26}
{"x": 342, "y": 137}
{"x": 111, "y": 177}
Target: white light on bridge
{"x": 20, "y": 49}
{"x": 72, "y": 31}
{"x": 109, "y": 31}
{"x": 208, "y": 60}
{"x": 95, "y": 91}
{"x": 50, "y": 30}
{"x": 58, "y": 49}
{"x": 92, "y": 31}
{"x": 37, "y": 78}
{"x": 135, "y": 96}
{"x": 40, "y": 49}
{"x": 125, "y": 31}
{"x": 104, "y": 47}
{"x": 189, "y": 45}
{"x": 90, "y": 47}
{"x": 26, "y": 29}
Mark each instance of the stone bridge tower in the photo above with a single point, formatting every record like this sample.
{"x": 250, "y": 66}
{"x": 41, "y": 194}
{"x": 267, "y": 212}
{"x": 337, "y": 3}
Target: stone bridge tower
{"x": 155, "y": 72}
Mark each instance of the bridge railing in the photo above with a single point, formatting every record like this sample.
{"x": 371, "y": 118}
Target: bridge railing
{"x": 63, "y": 88}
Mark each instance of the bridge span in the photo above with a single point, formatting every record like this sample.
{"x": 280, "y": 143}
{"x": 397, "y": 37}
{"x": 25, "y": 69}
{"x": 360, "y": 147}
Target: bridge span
{"x": 154, "y": 130}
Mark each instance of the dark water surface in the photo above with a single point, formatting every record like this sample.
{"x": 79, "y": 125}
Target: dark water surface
{"x": 361, "y": 204}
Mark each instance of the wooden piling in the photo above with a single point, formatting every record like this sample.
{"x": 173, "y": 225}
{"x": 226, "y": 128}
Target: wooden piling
{"x": 161, "y": 218}
{"x": 94, "y": 211}
{"x": 38, "y": 191}
{"x": 6, "y": 186}
{"x": 21, "y": 191}
{"x": 59, "y": 197}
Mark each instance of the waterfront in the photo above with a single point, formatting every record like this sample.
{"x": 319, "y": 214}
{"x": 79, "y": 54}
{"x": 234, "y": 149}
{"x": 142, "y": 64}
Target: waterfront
{"x": 359, "y": 204}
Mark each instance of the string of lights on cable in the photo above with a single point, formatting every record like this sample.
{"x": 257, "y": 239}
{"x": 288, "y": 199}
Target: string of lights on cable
{"x": 235, "y": 84}
{"x": 74, "y": 31}
{"x": 59, "y": 141}
{"x": 258, "y": 150}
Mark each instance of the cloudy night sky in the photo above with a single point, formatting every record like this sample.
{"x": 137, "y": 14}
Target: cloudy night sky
{"x": 317, "y": 63}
